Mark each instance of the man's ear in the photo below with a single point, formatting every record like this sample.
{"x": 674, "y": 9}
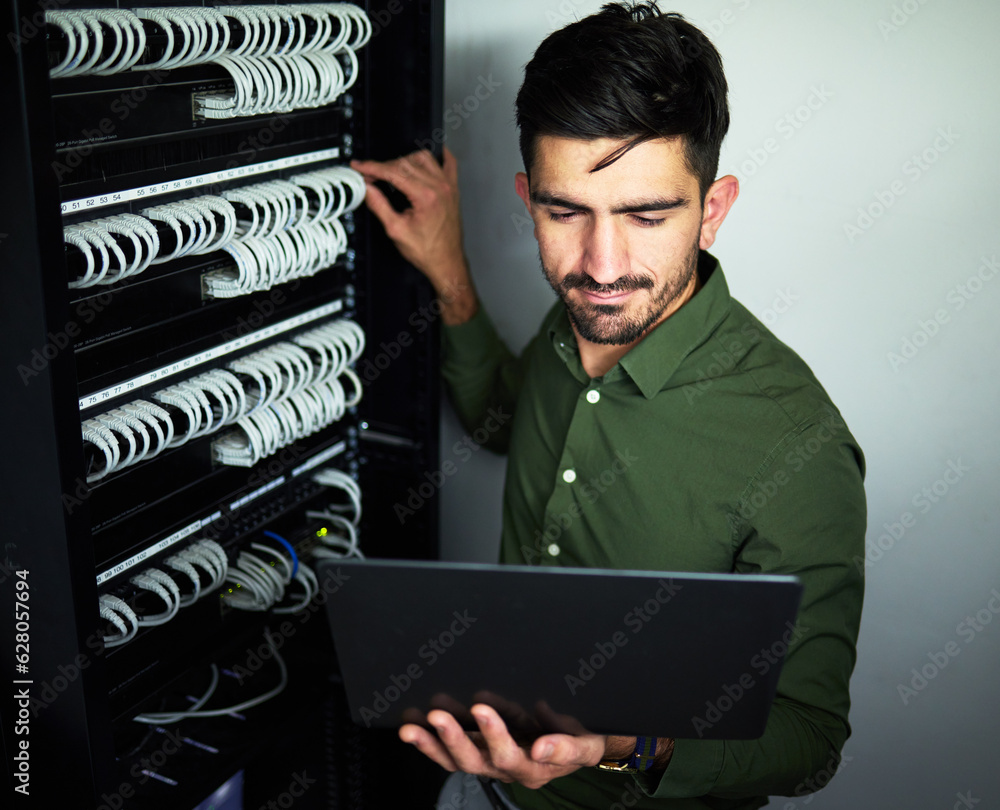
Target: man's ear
{"x": 719, "y": 199}
{"x": 521, "y": 186}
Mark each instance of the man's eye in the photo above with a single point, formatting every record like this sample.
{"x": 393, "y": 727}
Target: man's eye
{"x": 647, "y": 222}
{"x": 562, "y": 216}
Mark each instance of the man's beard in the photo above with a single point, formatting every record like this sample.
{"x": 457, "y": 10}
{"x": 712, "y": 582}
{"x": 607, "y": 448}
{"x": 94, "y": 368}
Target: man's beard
{"x": 613, "y": 324}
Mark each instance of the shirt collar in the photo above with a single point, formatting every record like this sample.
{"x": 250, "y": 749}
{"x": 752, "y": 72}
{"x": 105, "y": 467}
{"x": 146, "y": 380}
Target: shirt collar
{"x": 653, "y": 361}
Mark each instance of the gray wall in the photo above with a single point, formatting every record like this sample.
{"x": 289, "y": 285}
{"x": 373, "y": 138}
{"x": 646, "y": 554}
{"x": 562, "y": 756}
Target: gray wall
{"x": 884, "y": 80}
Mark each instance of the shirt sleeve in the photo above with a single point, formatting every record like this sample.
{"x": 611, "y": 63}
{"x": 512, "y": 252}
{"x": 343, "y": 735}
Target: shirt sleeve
{"x": 482, "y": 376}
{"x": 804, "y": 514}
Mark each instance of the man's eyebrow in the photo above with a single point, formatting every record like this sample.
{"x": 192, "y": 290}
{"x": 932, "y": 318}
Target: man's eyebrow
{"x": 660, "y": 204}
{"x": 638, "y": 207}
{"x": 544, "y": 198}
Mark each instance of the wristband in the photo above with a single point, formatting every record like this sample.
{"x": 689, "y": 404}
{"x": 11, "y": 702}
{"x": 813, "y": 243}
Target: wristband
{"x": 640, "y": 760}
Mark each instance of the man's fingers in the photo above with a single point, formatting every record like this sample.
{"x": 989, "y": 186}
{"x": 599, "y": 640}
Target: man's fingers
{"x": 460, "y": 747}
{"x": 423, "y": 159}
{"x": 519, "y": 723}
{"x": 428, "y": 745}
{"x": 505, "y": 753}
{"x": 380, "y": 206}
{"x": 563, "y": 749}
{"x": 409, "y": 173}
{"x": 371, "y": 169}
{"x": 555, "y": 749}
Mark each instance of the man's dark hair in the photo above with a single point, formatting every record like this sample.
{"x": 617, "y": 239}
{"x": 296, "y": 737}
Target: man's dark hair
{"x": 628, "y": 72}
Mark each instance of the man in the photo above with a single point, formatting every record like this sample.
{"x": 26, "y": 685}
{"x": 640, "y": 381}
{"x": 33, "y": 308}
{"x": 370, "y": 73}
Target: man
{"x": 727, "y": 455}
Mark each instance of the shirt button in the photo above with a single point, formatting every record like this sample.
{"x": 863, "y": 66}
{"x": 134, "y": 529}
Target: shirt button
{"x": 593, "y": 396}
{"x": 569, "y": 476}
{"x": 553, "y": 549}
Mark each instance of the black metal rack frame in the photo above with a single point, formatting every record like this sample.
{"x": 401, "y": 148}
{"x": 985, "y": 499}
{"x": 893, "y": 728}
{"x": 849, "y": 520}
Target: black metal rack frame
{"x": 58, "y": 345}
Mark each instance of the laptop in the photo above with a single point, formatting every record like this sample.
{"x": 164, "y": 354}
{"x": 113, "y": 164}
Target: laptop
{"x": 568, "y": 650}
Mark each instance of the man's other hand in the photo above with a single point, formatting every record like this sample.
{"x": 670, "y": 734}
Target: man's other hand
{"x": 429, "y": 233}
{"x": 492, "y": 751}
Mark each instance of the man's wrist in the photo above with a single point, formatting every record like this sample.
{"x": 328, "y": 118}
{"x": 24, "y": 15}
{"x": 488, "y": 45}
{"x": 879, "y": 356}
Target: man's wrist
{"x": 620, "y": 749}
{"x": 457, "y": 298}
{"x": 664, "y": 752}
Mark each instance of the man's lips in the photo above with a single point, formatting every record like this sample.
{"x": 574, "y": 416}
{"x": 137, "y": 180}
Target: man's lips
{"x": 607, "y": 298}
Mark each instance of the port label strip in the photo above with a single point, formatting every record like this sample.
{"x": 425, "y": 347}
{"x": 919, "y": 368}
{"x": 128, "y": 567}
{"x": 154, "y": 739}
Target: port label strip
{"x": 195, "y": 183}
{"x": 206, "y": 356}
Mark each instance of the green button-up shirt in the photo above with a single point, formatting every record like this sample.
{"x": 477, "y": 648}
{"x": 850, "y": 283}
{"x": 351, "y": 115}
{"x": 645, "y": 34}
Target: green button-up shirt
{"x": 710, "y": 447}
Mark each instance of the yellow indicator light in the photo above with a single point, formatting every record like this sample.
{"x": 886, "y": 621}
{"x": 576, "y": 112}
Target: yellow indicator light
{"x": 322, "y": 532}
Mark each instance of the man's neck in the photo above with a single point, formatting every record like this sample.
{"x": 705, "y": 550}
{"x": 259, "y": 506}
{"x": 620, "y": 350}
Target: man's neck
{"x": 598, "y": 359}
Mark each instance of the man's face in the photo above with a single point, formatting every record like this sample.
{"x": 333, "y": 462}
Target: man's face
{"x": 619, "y": 246}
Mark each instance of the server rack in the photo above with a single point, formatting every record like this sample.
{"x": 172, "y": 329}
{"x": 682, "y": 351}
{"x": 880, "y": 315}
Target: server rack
{"x": 69, "y": 145}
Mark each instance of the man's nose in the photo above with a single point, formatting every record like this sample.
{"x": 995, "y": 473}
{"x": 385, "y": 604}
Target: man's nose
{"x": 605, "y": 257}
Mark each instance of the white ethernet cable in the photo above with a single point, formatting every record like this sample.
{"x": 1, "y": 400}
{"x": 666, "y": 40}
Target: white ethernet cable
{"x": 332, "y": 477}
{"x": 113, "y": 609}
{"x": 166, "y": 718}
{"x": 154, "y": 580}
{"x": 205, "y": 554}
{"x": 335, "y": 546}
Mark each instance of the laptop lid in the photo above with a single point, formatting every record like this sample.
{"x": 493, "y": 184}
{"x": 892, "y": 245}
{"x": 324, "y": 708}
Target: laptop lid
{"x": 561, "y": 649}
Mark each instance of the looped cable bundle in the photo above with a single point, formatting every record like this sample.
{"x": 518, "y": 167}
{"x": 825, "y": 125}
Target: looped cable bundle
{"x": 99, "y": 41}
{"x": 312, "y": 397}
{"x": 275, "y": 231}
{"x": 344, "y": 517}
{"x": 260, "y": 584}
{"x": 274, "y": 396}
{"x": 205, "y": 554}
{"x": 279, "y": 58}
